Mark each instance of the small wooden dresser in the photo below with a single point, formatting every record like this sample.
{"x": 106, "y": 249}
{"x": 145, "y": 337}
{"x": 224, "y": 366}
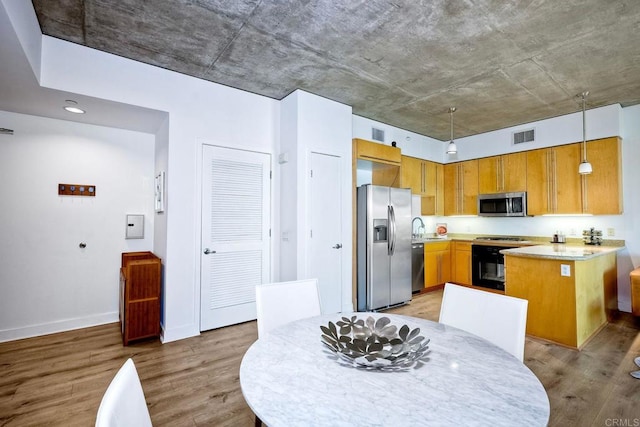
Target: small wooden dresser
{"x": 140, "y": 276}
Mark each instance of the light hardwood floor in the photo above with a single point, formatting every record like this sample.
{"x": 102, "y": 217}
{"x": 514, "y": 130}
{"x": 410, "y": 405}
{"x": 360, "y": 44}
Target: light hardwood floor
{"x": 59, "y": 379}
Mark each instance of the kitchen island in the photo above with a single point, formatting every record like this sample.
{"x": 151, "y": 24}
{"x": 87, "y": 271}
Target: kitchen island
{"x": 571, "y": 289}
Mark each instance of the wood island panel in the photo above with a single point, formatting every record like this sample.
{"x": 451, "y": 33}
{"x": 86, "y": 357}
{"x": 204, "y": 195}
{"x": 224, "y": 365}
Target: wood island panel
{"x": 635, "y": 291}
{"x": 565, "y": 309}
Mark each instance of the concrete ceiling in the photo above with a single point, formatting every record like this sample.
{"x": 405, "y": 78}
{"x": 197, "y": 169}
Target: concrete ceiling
{"x": 401, "y": 62}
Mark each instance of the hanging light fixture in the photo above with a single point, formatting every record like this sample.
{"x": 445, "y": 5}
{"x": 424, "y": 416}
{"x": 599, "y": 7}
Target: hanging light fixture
{"x": 451, "y": 148}
{"x": 585, "y": 167}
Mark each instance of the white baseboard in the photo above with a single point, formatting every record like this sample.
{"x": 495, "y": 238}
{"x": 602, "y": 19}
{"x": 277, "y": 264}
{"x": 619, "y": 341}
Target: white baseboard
{"x": 57, "y": 326}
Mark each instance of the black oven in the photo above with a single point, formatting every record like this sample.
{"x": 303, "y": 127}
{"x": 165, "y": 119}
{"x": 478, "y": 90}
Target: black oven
{"x": 488, "y": 266}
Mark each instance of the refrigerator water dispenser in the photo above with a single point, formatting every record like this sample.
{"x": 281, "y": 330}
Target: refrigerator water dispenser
{"x": 379, "y": 230}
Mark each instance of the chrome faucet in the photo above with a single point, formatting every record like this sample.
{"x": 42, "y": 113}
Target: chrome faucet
{"x": 421, "y": 225}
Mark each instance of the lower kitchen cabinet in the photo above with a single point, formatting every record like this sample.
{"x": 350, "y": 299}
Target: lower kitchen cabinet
{"x": 461, "y": 263}
{"x": 437, "y": 263}
{"x": 140, "y": 296}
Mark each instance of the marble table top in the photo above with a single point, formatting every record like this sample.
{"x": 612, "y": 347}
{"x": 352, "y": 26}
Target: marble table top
{"x": 288, "y": 378}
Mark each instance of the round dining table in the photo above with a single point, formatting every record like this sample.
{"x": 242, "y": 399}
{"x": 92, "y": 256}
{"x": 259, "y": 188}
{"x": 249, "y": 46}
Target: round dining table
{"x": 290, "y": 378}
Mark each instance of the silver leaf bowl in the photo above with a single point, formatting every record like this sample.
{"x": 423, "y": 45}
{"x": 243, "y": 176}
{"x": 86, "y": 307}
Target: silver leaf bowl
{"x": 374, "y": 344}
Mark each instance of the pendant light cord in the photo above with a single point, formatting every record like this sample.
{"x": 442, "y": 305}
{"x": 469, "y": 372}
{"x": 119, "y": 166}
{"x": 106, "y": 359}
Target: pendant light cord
{"x": 451, "y": 111}
{"x": 584, "y": 126}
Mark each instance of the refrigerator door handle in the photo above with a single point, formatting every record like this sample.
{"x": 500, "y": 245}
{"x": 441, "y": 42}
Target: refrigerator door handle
{"x": 392, "y": 230}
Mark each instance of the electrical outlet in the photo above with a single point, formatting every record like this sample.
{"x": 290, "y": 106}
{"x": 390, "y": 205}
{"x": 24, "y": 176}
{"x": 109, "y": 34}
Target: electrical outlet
{"x": 611, "y": 232}
{"x": 572, "y": 232}
{"x": 565, "y": 270}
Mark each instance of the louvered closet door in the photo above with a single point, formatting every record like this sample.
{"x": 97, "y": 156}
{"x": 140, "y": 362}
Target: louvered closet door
{"x": 235, "y": 234}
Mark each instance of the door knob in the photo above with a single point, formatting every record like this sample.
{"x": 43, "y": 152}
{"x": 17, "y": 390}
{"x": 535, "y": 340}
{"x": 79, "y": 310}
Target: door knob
{"x": 208, "y": 251}
{"x": 337, "y": 246}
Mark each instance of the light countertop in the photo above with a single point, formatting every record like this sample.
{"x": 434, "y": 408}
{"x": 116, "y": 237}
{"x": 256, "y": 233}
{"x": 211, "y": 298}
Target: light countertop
{"x": 562, "y": 251}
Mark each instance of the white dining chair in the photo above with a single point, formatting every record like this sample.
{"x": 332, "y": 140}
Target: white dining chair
{"x": 123, "y": 404}
{"x": 283, "y": 302}
{"x": 497, "y": 318}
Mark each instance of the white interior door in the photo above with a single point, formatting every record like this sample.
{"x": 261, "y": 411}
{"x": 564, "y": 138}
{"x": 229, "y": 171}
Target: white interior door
{"x": 235, "y": 254}
{"x": 325, "y": 254}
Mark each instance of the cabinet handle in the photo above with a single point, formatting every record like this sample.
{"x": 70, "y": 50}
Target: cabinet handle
{"x": 549, "y": 178}
{"x": 337, "y": 246}
{"x": 499, "y": 176}
{"x": 555, "y": 182}
{"x": 461, "y": 189}
{"x": 502, "y": 173}
{"x": 208, "y": 251}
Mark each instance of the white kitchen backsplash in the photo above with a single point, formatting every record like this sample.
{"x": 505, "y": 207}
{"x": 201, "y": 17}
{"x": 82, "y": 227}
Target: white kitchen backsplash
{"x": 416, "y": 206}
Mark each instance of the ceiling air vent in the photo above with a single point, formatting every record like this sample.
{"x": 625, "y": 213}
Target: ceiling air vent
{"x": 5, "y": 131}
{"x": 377, "y": 134}
{"x": 524, "y": 136}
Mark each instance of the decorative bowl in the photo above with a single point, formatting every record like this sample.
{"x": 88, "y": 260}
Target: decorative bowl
{"x": 374, "y": 344}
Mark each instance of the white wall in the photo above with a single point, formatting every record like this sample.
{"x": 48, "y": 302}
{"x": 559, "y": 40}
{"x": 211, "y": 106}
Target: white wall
{"x": 309, "y": 124}
{"x": 47, "y": 283}
{"x": 287, "y": 175}
{"x": 410, "y": 143}
{"x": 601, "y": 123}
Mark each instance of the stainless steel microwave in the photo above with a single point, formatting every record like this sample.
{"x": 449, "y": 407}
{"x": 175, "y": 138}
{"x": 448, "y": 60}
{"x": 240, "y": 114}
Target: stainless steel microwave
{"x": 503, "y": 204}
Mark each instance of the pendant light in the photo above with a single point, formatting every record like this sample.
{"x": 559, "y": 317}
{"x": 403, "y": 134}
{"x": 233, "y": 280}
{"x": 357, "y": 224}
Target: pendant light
{"x": 585, "y": 167}
{"x": 451, "y": 148}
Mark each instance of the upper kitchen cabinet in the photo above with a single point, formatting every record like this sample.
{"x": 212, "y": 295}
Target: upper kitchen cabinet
{"x": 603, "y": 187}
{"x": 461, "y": 188}
{"x": 425, "y": 179}
{"x": 553, "y": 182}
{"x": 502, "y": 174}
{"x": 380, "y": 160}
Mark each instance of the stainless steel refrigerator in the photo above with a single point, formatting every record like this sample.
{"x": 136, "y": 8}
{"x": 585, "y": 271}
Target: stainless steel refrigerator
{"x": 383, "y": 247}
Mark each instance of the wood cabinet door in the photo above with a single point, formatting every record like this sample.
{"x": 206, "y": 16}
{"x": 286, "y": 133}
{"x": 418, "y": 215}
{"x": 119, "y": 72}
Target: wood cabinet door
{"x": 502, "y": 174}
{"x": 369, "y": 150}
{"x": 553, "y": 182}
{"x": 489, "y": 171}
{"x": 514, "y": 172}
{"x": 461, "y": 188}
{"x": 432, "y": 199}
{"x": 461, "y": 263}
{"x": 445, "y": 266}
{"x": 538, "y": 182}
{"x": 437, "y": 264}
{"x": 469, "y": 187}
{"x": 603, "y": 195}
{"x": 451, "y": 195}
{"x": 430, "y": 269}
{"x": 412, "y": 174}
{"x": 567, "y": 181}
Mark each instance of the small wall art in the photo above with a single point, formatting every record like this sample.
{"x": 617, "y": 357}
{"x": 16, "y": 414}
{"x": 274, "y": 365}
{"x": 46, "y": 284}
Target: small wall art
{"x": 159, "y": 189}
{"x": 76, "y": 190}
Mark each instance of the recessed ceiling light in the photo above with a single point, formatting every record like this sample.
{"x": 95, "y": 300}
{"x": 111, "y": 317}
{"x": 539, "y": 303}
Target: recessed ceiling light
{"x": 74, "y": 110}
